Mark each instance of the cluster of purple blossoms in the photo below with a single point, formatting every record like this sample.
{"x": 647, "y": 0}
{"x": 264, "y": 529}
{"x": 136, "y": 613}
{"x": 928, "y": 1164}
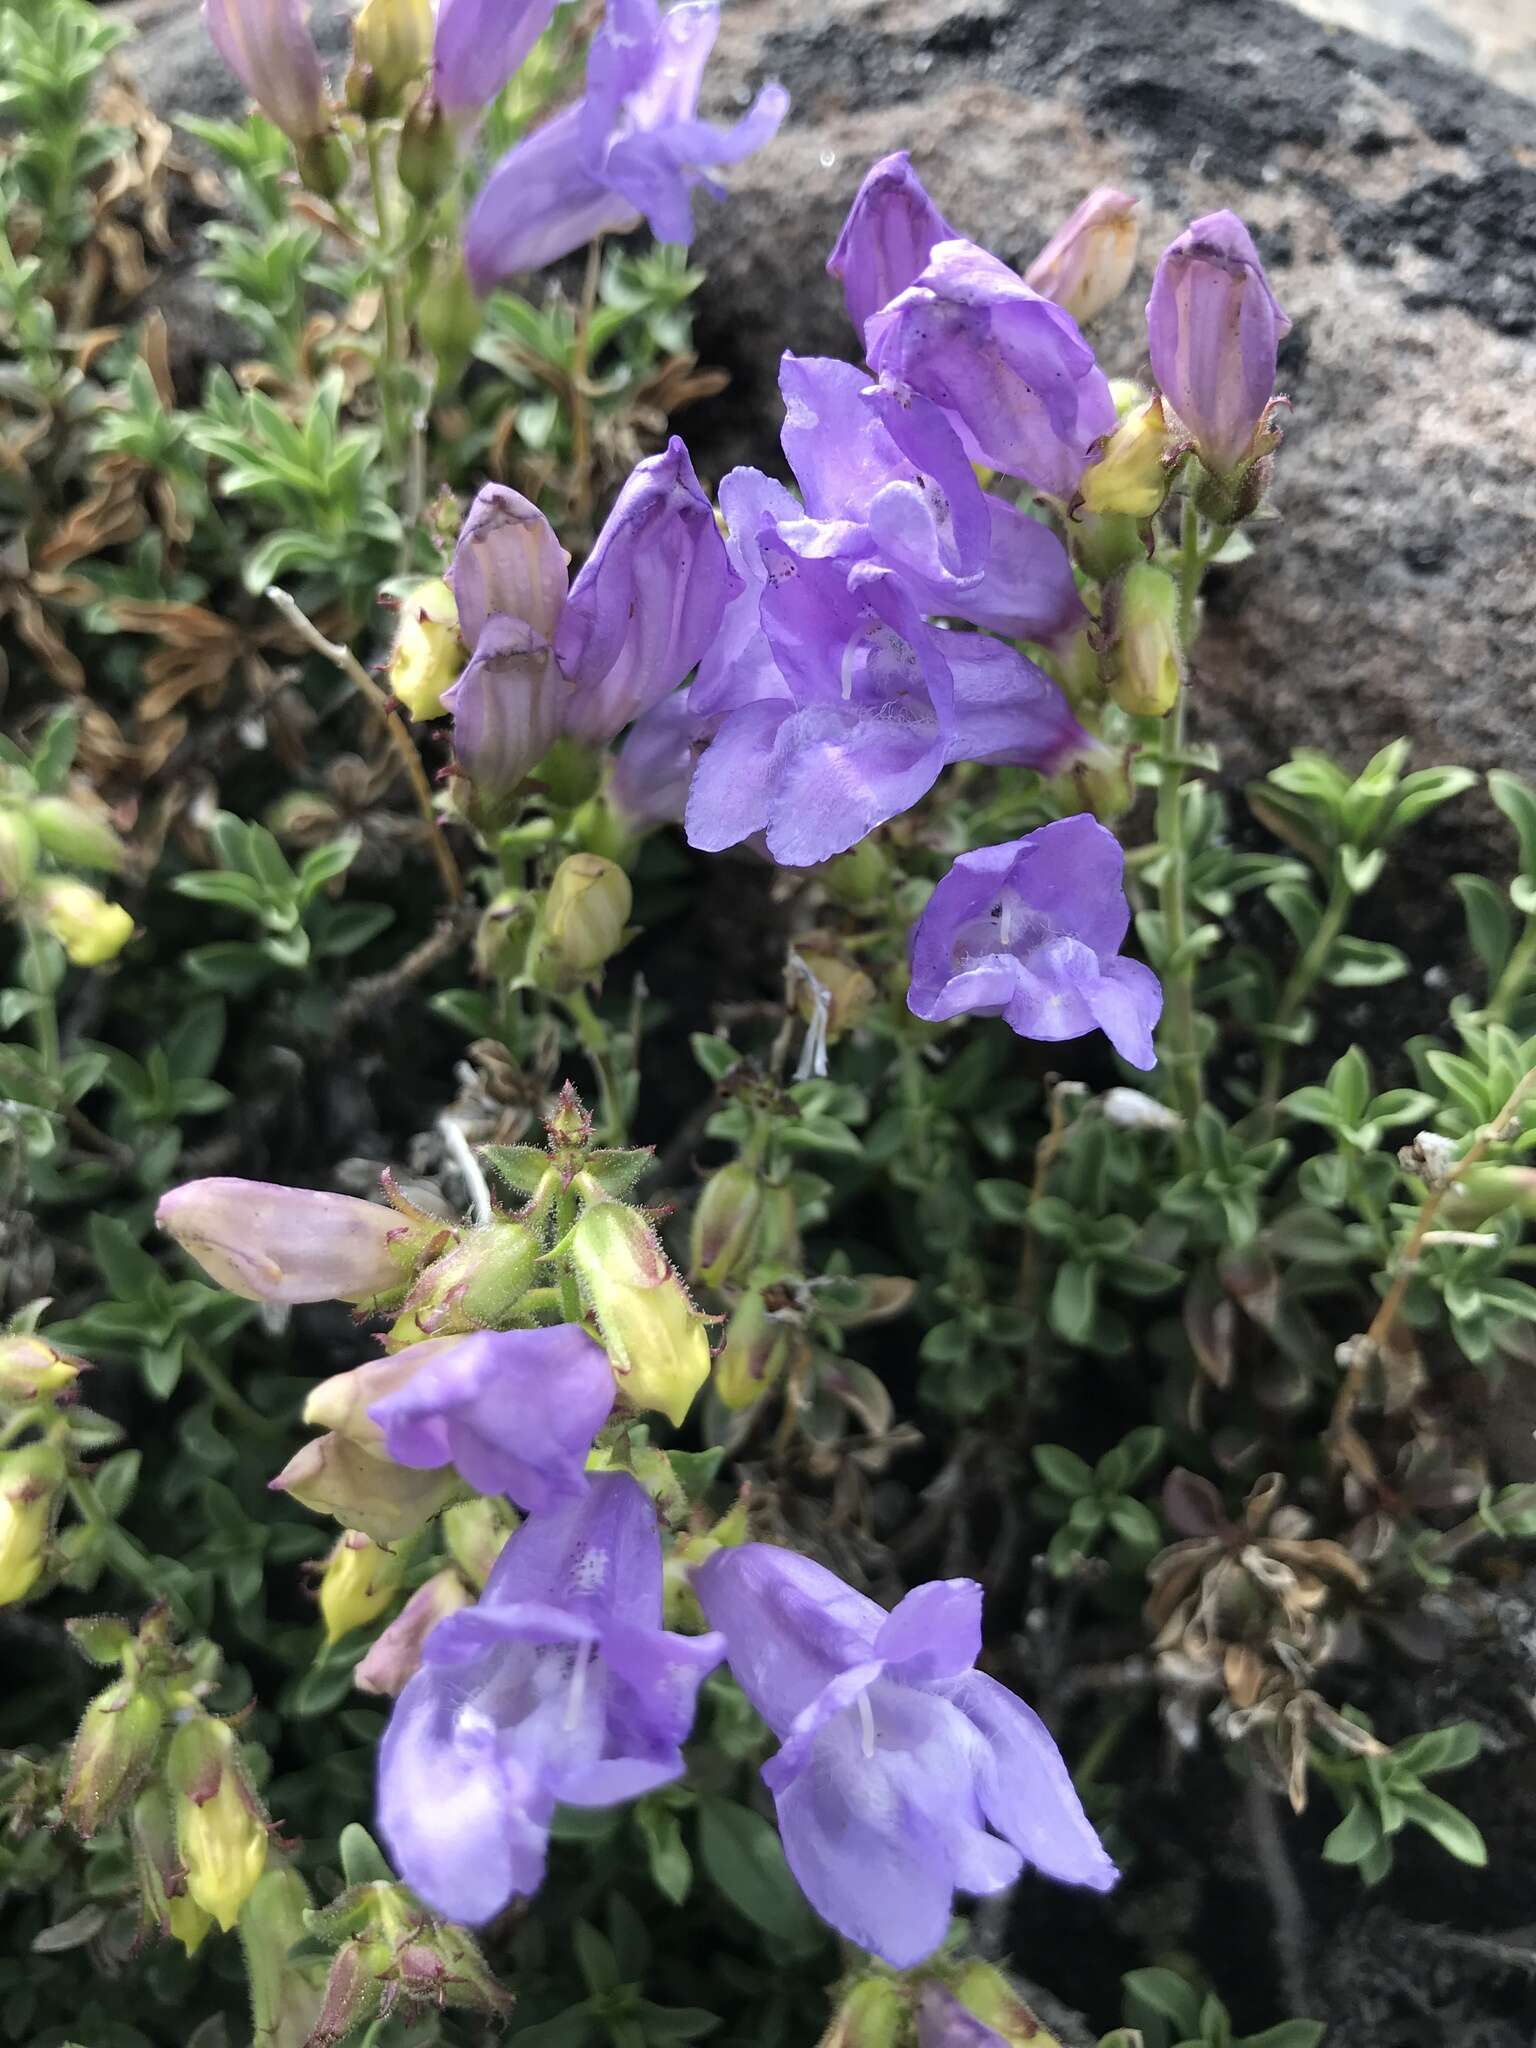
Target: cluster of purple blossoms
{"x": 904, "y": 1774}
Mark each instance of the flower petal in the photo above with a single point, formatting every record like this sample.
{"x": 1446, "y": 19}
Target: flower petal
{"x": 790, "y": 1625}
{"x": 1026, "y": 1789}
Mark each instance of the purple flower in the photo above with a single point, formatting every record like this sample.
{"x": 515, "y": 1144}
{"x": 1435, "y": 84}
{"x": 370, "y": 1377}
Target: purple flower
{"x": 943, "y": 2022}
{"x": 269, "y": 47}
{"x": 1213, "y": 326}
{"x": 649, "y": 781}
{"x": 1008, "y": 366}
{"x": 478, "y": 46}
{"x": 887, "y": 238}
{"x": 514, "y": 1410}
{"x": 546, "y": 661}
{"x": 1031, "y": 931}
{"x": 633, "y": 145}
{"x": 559, "y": 1687}
{"x": 898, "y": 1759}
{"x": 1087, "y": 263}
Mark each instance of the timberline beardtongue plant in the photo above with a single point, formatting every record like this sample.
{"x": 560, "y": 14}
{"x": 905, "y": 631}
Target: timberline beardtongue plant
{"x": 1031, "y": 931}
{"x": 269, "y": 47}
{"x": 559, "y": 1687}
{"x": 1213, "y": 328}
{"x": 890, "y": 233}
{"x": 898, "y": 1758}
{"x": 271, "y": 1243}
{"x": 546, "y": 661}
{"x": 631, "y": 146}
{"x": 1087, "y": 263}
{"x": 514, "y": 1411}
{"x": 479, "y": 45}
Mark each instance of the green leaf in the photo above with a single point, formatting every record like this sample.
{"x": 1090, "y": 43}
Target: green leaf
{"x": 594, "y": 1958}
{"x": 128, "y": 1269}
{"x": 1074, "y": 1299}
{"x": 1166, "y": 1993}
{"x": 1489, "y": 925}
{"x": 666, "y": 1855}
{"x": 1447, "y": 1825}
{"x": 362, "y": 1860}
{"x": 1439, "y": 1749}
{"x": 1517, "y": 800}
{"x": 1064, "y": 1470}
{"x": 717, "y": 1056}
{"x": 116, "y": 1480}
{"x": 1289, "y": 2034}
{"x": 1004, "y": 1201}
{"x": 1356, "y": 1835}
{"x": 1364, "y": 963}
{"x": 1136, "y": 1524}
{"x": 741, "y": 1854}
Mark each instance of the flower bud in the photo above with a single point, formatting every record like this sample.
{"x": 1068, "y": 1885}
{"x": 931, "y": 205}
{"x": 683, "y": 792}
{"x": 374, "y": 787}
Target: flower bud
{"x": 427, "y": 158}
{"x": 31, "y": 1487}
{"x": 848, "y": 989}
{"x": 77, "y": 832}
{"x": 891, "y": 229}
{"x": 725, "y": 1224}
{"x": 475, "y": 1532}
{"x": 757, "y": 1348}
{"x": 391, "y": 41}
{"x": 477, "y": 1283}
{"x": 1146, "y": 654}
{"x": 396, "y": 1656}
{"x": 221, "y": 1832}
{"x": 586, "y": 911}
{"x": 18, "y": 853}
{"x": 324, "y": 165}
{"x": 163, "y": 1894}
{"x": 269, "y": 47}
{"x": 363, "y": 1490}
{"x": 873, "y": 2014}
{"x": 89, "y": 928}
{"x": 1087, "y": 263}
{"x": 427, "y": 654}
{"x": 30, "y": 1366}
{"x": 861, "y": 877}
{"x": 114, "y": 1747}
{"x": 269, "y": 1243}
{"x": 654, "y": 1334}
{"x": 1485, "y": 1191}
{"x": 285, "y": 1996}
{"x": 360, "y": 1580}
{"x": 1130, "y": 476}
{"x": 449, "y": 318}
{"x": 987, "y": 1993}
{"x": 341, "y": 1403}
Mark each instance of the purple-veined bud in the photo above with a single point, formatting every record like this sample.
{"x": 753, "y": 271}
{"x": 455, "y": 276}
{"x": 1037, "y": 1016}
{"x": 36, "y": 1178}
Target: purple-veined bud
{"x": 886, "y": 240}
{"x": 943, "y": 2022}
{"x": 479, "y": 45}
{"x": 271, "y": 1243}
{"x": 221, "y": 1831}
{"x": 758, "y": 1346}
{"x": 506, "y": 707}
{"x": 507, "y": 560}
{"x": 586, "y": 913}
{"x": 363, "y": 1489}
{"x": 396, "y": 1653}
{"x": 359, "y": 1581}
{"x": 114, "y": 1747}
{"x": 1213, "y": 328}
{"x": 648, "y": 601}
{"x": 725, "y": 1224}
{"x": 1087, "y": 263}
{"x": 269, "y": 47}
{"x": 649, "y": 781}
{"x": 654, "y": 1334}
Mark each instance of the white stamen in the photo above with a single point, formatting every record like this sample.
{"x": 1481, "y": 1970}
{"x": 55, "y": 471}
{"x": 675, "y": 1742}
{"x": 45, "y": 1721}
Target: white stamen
{"x": 867, "y": 1724}
{"x": 576, "y": 1697}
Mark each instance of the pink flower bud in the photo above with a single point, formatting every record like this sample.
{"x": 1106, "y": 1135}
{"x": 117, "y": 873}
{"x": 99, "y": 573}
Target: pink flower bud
{"x": 396, "y": 1656}
{"x": 337, "y": 1477}
{"x": 1087, "y": 263}
{"x": 272, "y": 1243}
{"x": 269, "y": 47}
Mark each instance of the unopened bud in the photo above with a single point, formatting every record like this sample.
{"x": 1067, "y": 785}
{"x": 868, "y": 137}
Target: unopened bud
{"x": 427, "y": 654}
{"x": 31, "y": 1486}
{"x": 221, "y": 1832}
{"x": 1098, "y": 781}
{"x": 1146, "y": 655}
{"x": 391, "y": 41}
{"x": 654, "y": 1334}
{"x": 285, "y": 1996}
{"x": 324, "y": 165}
{"x": 477, "y": 1283}
{"x": 778, "y": 1228}
{"x": 114, "y": 1747}
{"x": 758, "y": 1346}
{"x": 1485, "y": 1191}
{"x": 89, "y": 928}
{"x": 396, "y": 1655}
{"x": 167, "y": 1904}
{"x": 1130, "y": 476}
{"x": 587, "y": 910}
{"x": 31, "y": 1366}
{"x": 270, "y": 1243}
{"x": 341, "y": 1403}
{"x": 873, "y": 2014}
{"x": 18, "y": 853}
{"x": 987, "y": 1993}
{"x": 725, "y": 1224}
{"x": 1087, "y": 263}
{"x": 426, "y": 159}
{"x": 476, "y": 1532}
{"x": 860, "y": 877}
{"x": 364, "y": 1491}
{"x": 846, "y": 990}
{"x": 78, "y": 832}
{"x": 449, "y": 318}
{"x": 360, "y": 1580}
{"x": 1129, "y": 1110}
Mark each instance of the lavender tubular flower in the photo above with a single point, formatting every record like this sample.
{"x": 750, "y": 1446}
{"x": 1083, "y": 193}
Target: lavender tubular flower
{"x": 648, "y": 784}
{"x": 271, "y": 1243}
{"x": 904, "y": 1774}
{"x": 560, "y": 1686}
{"x": 1087, "y": 263}
{"x": 648, "y": 601}
{"x": 269, "y": 47}
{"x": 886, "y": 240}
{"x": 1030, "y": 931}
{"x": 1009, "y": 367}
{"x": 507, "y": 561}
{"x": 506, "y": 706}
{"x": 515, "y": 1411}
{"x": 632, "y": 146}
{"x": 1213, "y": 327}
{"x": 479, "y": 45}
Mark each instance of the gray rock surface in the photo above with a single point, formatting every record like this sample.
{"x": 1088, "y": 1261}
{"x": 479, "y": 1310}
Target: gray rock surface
{"x": 1395, "y": 202}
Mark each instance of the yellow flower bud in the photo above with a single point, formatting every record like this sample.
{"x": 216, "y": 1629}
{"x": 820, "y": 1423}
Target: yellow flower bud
{"x": 391, "y": 41}
{"x": 30, "y": 1365}
{"x": 725, "y": 1224}
{"x": 758, "y": 1346}
{"x": 1130, "y": 475}
{"x": 987, "y": 1993}
{"x": 654, "y": 1334}
{"x": 114, "y": 1747}
{"x": 476, "y": 1283}
{"x": 31, "y": 1484}
{"x": 1146, "y": 655}
{"x": 89, "y": 928}
{"x": 221, "y": 1832}
{"x": 475, "y": 1532}
{"x": 873, "y": 2014}
{"x": 586, "y": 911}
{"x": 360, "y": 1580}
{"x": 77, "y": 831}
{"x": 168, "y": 1906}
{"x": 428, "y": 653}
{"x": 364, "y": 1490}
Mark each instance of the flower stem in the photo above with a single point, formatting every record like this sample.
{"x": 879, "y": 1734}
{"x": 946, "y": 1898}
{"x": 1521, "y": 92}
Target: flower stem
{"x": 395, "y": 337}
{"x": 565, "y": 1217}
{"x": 1299, "y": 984}
{"x": 596, "y": 1042}
{"x": 1179, "y": 1050}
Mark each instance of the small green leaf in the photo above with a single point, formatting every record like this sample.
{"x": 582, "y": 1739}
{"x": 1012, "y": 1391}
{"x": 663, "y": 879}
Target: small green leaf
{"x": 1446, "y": 1824}
{"x": 1063, "y": 1469}
{"x": 740, "y": 1852}
{"x": 362, "y": 1860}
{"x": 1356, "y": 1835}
